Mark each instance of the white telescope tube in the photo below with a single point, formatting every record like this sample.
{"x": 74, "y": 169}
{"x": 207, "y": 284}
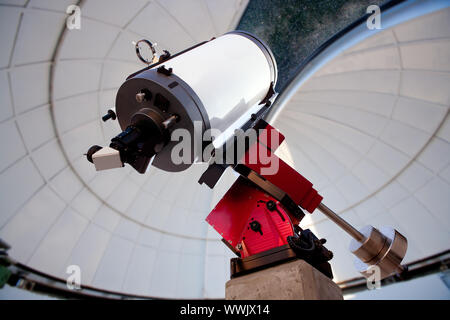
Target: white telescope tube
{"x": 215, "y": 85}
{"x": 230, "y": 75}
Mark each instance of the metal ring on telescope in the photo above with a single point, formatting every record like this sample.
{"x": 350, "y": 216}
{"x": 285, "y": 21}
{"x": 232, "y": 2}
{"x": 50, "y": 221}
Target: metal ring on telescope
{"x": 138, "y": 52}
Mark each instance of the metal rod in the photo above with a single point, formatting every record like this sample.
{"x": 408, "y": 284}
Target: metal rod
{"x": 358, "y": 236}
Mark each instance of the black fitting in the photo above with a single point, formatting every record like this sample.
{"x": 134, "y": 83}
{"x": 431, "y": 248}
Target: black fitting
{"x": 256, "y": 226}
{"x": 164, "y": 71}
{"x": 271, "y": 205}
{"x": 165, "y": 56}
{"x": 308, "y": 247}
{"x": 269, "y": 94}
{"x": 110, "y": 115}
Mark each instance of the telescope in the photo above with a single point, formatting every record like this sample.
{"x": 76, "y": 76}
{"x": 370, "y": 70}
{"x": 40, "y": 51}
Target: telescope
{"x": 214, "y": 86}
{"x": 208, "y": 104}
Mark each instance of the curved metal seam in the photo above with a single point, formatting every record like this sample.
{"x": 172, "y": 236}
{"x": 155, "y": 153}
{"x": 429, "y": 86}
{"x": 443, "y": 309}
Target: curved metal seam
{"x": 291, "y": 87}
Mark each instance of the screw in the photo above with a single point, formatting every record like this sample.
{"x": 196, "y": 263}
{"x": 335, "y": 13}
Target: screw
{"x": 140, "y": 97}
{"x": 143, "y": 95}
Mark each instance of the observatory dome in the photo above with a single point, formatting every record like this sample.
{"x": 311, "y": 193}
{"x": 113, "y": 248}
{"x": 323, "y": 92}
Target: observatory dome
{"x": 366, "y": 120}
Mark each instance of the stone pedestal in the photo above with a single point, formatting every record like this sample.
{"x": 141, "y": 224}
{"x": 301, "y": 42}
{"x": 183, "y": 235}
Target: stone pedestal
{"x": 295, "y": 280}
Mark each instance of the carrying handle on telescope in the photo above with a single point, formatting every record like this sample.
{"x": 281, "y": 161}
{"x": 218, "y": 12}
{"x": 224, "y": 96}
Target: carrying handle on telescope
{"x": 166, "y": 59}
{"x": 151, "y": 46}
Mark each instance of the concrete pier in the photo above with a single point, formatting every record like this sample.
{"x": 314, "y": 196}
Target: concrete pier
{"x": 295, "y": 280}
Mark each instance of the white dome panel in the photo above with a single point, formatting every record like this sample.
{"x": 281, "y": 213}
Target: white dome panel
{"x": 9, "y": 21}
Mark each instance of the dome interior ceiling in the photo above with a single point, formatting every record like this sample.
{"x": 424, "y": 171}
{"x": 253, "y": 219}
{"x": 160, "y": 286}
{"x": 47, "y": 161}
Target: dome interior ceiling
{"x": 132, "y": 233}
{"x": 370, "y": 129}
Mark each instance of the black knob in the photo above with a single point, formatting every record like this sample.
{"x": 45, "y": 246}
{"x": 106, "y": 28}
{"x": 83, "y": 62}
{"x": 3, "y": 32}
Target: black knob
{"x": 271, "y": 205}
{"x": 256, "y": 226}
{"x": 91, "y": 152}
{"x": 110, "y": 115}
